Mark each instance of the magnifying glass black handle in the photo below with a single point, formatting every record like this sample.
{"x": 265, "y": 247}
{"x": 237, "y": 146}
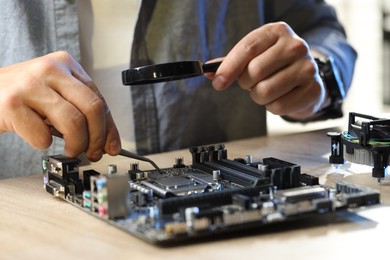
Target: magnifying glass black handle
{"x": 166, "y": 72}
{"x": 211, "y": 67}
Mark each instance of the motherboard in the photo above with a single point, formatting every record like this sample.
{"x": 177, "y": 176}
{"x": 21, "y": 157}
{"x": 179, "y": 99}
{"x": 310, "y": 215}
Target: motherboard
{"x": 213, "y": 195}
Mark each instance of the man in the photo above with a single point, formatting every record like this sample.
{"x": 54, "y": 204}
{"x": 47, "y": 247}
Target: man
{"x": 268, "y": 49}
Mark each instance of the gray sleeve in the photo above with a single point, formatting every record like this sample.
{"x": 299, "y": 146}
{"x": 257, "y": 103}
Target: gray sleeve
{"x": 33, "y": 28}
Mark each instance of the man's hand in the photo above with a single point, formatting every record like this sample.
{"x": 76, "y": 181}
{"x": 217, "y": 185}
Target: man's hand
{"x": 55, "y": 89}
{"x": 275, "y": 65}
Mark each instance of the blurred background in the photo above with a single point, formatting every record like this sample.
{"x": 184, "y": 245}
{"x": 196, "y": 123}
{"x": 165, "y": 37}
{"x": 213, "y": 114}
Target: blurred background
{"x": 367, "y": 23}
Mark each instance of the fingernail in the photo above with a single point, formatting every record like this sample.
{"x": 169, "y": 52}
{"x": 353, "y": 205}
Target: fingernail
{"x": 114, "y": 146}
{"x": 97, "y": 155}
{"x": 219, "y": 82}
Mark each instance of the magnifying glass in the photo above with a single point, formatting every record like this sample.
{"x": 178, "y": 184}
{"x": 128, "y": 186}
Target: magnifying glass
{"x": 166, "y": 72}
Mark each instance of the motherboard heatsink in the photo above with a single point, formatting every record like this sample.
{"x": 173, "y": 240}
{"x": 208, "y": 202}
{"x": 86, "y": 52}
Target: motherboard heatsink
{"x": 214, "y": 195}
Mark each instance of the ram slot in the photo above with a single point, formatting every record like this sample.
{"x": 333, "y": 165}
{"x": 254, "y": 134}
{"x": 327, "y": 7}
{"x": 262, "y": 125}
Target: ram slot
{"x": 242, "y": 167}
{"x": 231, "y": 175}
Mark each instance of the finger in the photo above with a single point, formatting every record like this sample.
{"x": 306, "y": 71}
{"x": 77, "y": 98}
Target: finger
{"x": 113, "y": 143}
{"x": 292, "y": 104}
{"x": 285, "y": 52}
{"x": 99, "y": 139}
{"x": 211, "y": 75}
{"x": 31, "y": 127}
{"x": 242, "y": 53}
{"x": 284, "y": 81}
{"x": 64, "y": 116}
{"x": 97, "y": 123}
{"x": 92, "y": 109}
{"x": 69, "y": 121}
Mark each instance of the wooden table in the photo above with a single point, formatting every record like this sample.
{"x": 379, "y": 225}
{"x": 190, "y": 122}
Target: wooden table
{"x": 34, "y": 224}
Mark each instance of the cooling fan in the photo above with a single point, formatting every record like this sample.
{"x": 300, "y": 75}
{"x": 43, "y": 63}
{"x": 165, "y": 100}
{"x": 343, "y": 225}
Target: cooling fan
{"x": 367, "y": 142}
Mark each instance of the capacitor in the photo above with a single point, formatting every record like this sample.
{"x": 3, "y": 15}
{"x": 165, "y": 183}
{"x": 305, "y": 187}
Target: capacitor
{"x": 336, "y": 156}
{"x": 139, "y": 176}
{"x": 190, "y": 214}
{"x": 248, "y": 159}
{"x": 216, "y": 175}
{"x": 179, "y": 162}
{"x": 262, "y": 167}
{"x": 112, "y": 169}
{"x": 134, "y": 167}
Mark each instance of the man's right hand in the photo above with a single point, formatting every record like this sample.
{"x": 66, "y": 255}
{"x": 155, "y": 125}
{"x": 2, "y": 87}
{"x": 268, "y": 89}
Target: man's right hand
{"x": 55, "y": 89}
